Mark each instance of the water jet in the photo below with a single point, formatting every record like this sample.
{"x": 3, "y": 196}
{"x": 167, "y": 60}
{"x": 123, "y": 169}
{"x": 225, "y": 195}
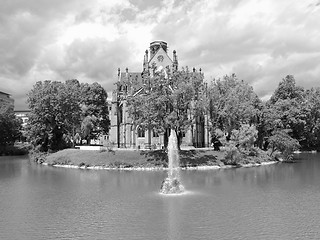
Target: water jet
{"x": 172, "y": 184}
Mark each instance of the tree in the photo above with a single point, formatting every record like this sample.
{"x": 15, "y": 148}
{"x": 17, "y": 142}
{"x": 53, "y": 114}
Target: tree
{"x": 57, "y": 112}
{"x": 87, "y": 126}
{"x": 287, "y": 89}
{"x": 240, "y": 145}
{"x": 283, "y": 142}
{"x": 284, "y": 111}
{"x": 10, "y": 126}
{"x": 168, "y": 101}
{"x": 230, "y": 103}
{"x": 94, "y": 103}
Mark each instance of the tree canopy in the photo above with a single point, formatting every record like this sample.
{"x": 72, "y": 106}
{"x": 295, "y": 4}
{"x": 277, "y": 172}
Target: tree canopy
{"x": 230, "y": 103}
{"x": 58, "y": 109}
{"x": 10, "y": 126}
{"x": 168, "y": 101}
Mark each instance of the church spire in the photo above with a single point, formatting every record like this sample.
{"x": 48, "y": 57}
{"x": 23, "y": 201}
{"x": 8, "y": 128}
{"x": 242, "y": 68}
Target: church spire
{"x": 145, "y": 61}
{"x": 175, "y": 61}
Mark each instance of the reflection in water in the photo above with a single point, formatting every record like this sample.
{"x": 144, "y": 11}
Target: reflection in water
{"x": 10, "y": 166}
{"x": 51, "y": 203}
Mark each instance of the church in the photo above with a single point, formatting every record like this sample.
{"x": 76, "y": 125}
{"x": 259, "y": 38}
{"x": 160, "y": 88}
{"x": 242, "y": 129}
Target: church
{"x": 124, "y": 133}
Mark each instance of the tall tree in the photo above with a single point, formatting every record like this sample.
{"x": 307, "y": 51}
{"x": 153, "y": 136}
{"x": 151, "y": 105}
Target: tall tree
{"x": 285, "y": 110}
{"x": 287, "y": 90}
{"x": 230, "y": 103}
{"x": 94, "y": 103}
{"x": 56, "y": 111}
{"x": 311, "y": 111}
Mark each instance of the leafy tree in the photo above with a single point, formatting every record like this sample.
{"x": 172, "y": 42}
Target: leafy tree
{"x": 56, "y": 112}
{"x": 283, "y": 142}
{"x": 87, "y": 126}
{"x": 94, "y": 103}
{"x": 230, "y": 103}
{"x": 311, "y": 112}
{"x": 240, "y": 145}
{"x": 10, "y": 126}
{"x": 168, "y": 101}
{"x": 285, "y": 111}
{"x": 287, "y": 89}
{"x": 49, "y": 118}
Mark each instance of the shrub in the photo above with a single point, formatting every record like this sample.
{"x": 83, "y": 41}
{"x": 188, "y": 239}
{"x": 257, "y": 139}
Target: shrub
{"x": 240, "y": 144}
{"x": 283, "y": 142}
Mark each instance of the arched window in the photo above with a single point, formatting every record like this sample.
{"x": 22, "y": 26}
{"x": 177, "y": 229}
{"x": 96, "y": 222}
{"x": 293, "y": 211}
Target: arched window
{"x": 141, "y": 132}
{"x": 155, "y": 133}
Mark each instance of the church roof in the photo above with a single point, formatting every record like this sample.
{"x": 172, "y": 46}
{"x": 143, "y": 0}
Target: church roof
{"x": 165, "y": 59}
{"x": 131, "y": 77}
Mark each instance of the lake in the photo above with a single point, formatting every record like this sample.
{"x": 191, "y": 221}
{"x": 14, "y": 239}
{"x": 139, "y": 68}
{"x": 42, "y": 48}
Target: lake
{"x": 279, "y": 201}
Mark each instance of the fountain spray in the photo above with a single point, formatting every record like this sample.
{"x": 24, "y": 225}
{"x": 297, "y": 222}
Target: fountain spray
{"x": 172, "y": 184}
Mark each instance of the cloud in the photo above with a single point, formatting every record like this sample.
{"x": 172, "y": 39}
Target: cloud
{"x": 261, "y": 41}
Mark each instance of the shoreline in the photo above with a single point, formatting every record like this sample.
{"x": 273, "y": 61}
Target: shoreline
{"x": 201, "y": 159}
{"x": 201, "y": 168}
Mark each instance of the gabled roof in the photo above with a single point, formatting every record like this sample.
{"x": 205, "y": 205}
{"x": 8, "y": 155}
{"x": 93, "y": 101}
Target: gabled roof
{"x": 160, "y": 51}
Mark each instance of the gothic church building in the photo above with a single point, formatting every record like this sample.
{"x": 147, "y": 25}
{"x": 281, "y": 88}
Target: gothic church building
{"x": 123, "y": 131}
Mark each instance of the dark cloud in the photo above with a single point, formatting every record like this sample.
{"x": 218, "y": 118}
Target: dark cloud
{"x": 93, "y": 59}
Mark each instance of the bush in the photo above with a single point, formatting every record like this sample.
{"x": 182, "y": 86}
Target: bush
{"x": 37, "y": 156}
{"x": 12, "y": 150}
{"x": 283, "y": 142}
{"x": 240, "y": 145}
{"x": 233, "y": 156}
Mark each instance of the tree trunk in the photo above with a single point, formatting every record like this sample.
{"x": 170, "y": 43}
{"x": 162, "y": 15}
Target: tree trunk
{"x": 179, "y": 138}
{"x": 166, "y": 138}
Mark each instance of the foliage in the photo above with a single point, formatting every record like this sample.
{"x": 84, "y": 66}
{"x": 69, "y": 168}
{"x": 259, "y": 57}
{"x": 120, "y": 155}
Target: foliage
{"x": 57, "y": 112}
{"x": 240, "y": 145}
{"x": 281, "y": 141}
{"x": 87, "y": 126}
{"x": 14, "y": 150}
{"x": 10, "y": 126}
{"x": 168, "y": 101}
{"x": 311, "y": 112}
{"x": 284, "y": 110}
{"x": 94, "y": 104}
{"x": 287, "y": 89}
{"x": 230, "y": 103}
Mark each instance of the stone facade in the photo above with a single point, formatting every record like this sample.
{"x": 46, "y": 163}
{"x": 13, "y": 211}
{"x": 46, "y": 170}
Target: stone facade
{"x": 123, "y": 131}
{"x": 6, "y": 100}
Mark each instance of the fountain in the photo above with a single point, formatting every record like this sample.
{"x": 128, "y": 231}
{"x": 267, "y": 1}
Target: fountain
{"x": 172, "y": 184}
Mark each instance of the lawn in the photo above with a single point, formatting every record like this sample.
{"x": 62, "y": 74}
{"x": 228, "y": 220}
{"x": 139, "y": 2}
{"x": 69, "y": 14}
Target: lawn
{"x": 133, "y": 158}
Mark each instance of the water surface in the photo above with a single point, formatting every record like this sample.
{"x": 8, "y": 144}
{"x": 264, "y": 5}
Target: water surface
{"x": 278, "y": 201}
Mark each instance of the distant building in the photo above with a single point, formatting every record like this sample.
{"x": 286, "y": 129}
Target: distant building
{"x": 123, "y": 131}
{"x": 6, "y": 100}
{"x": 24, "y": 116}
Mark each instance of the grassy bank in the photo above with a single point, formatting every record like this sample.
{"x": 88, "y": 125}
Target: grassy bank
{"x": 136, "y": 159}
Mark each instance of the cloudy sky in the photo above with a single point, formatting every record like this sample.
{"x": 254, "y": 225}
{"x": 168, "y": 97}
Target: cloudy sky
{"x": 261, "y": 41}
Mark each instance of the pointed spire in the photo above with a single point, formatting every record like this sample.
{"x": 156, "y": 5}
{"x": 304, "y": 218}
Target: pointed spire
{"x": 145, "y": 61}
{"x": 175, "y": 60}
{"x": 118, "y": 74}
{"x": 146, "y": 55}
